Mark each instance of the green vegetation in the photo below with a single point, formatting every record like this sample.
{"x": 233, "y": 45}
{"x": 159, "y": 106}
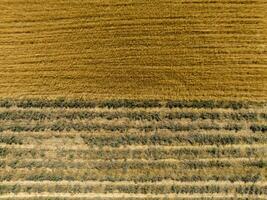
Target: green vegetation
{"x": 178, "y": 148}
{"x": 80, "y": 103}
{"x": 132, "y": 115}
{"x": 135, "y": 188}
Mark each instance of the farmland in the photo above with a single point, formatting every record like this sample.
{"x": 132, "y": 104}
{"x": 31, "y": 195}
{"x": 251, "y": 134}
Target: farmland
{"x": 133, "y": 99}
{"x": 125, "y": 149}
{"x": 102, "y": 49}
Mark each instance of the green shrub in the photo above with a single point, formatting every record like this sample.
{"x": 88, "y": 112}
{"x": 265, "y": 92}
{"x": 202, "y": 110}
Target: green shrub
{"x": 259, "y": 163}
{"x": 129, "y": 104}
{"x": 207, "y": 104}
{"x": 258, "y": 128}
{"x": 7, "y": 139}
{"x": 3, "y": 152}
{"x": 263, "y": 115}
{"x": 44, "y": 177}
{"x": 62, "y": 103}
{"x": 196, "y": 164}
{"x": 160, "y": 139}
{"x": 6, "y": 103}
{"x": 233, "y": 127}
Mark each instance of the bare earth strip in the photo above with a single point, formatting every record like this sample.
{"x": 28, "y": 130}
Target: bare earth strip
{"x": 132, "y": 147}
{"x": 165, "y": 182}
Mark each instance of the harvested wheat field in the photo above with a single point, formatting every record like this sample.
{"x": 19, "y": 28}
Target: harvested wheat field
{"x": 134, "y": 49}
{"x": 133, "y": 99}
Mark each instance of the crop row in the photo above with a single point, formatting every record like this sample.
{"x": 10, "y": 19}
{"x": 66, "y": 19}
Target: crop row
{"x": 151, "y": 153}
{"x": 172, "y": 139}
{"x": 134, "y": 188}
{"x": 79, "y": 103}
{"x": 232, "y": 174}
{"x": 132, "y": 164}
{"x": 61, "y": 126}
{"x": 169, "y": 139}
{"x": 150, "y": 116}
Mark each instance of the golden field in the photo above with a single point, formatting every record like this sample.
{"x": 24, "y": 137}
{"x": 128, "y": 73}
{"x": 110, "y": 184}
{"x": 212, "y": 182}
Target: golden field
{"x": 133, "y": 99}
{"x": 101, "y": 49}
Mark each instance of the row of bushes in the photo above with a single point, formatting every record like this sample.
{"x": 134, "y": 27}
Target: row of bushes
{"x": 116, "y": 139}
{"x": 199, "y": 164}
{"x": 258, "y": 128}
{"x": 157, "y": 116}
{"x": 135, "y": 188}
{"x": 151, "y": 153}
{"x": 131, "y": 164}
{"x": 207, "y": 104}
{"x": 10, "y": 139}
{"x": 71, "y": 126}
{"x": 98, "y": 165}
{"x": 28, "y": 115}
{"x": 177, "y": 139}
{"x": 142, "y": 175}
{"x": 80, "y": 103}
{"x": 213, "y": 116}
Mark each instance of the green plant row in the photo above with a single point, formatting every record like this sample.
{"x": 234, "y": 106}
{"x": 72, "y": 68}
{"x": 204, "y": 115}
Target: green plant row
{"x": 132, "y": 164}
{"x": 65, "y": 126}
{"x": 175, "y": 139}
{"x": 198, "y": 164}
{"x": 137, "y": 115}
{"x": 151, "y": 153}
{"x": 258, "y": 128}
{"x": 60, "y": 126}
{"x": 10, "y": 139}
{"x": 79, "y": 103}
{"x": 135, "y": 188}
{"x": 121, "y": 139}
{"x": 98, "y": 165}
{"x": 244, "y": 174}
